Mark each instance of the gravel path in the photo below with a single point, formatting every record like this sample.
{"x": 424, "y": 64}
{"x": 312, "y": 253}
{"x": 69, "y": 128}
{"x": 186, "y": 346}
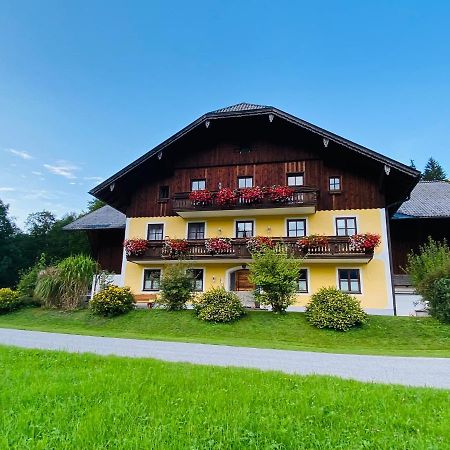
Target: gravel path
{"x": 411, "y": 371}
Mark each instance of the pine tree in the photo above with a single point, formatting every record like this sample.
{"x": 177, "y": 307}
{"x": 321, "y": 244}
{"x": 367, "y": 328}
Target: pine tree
{"x": 434, "y": 171}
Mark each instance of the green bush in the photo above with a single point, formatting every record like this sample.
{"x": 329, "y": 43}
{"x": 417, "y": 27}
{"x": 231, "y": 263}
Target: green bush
{"x": 275, "y": 274}
{"x": 28, "y": 278}
{"x": 112, "y": 301}
{"x": 218, "y": 305}
{"x": 48, "y": 288}
{"x": 176, "y": 287}
{"x": 331, "y": 308}
{"x": 430, "y": 271}
{"x": 9, "y": 300}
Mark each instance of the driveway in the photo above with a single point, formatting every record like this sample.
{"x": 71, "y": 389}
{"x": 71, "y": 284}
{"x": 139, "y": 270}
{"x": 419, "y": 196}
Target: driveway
{"x": 409, "y": 371}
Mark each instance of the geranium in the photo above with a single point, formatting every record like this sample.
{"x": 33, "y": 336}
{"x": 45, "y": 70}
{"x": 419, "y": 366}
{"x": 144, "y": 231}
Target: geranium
{"x": 280, "y": 194}
{"x": 251, "y": 195}
{"x": 202, "y": 197}
{"x": 312, "y": 241}
{"x": 259, "y": 243}
{"x": 218, "y": 245}
{"x": 175, "y": 247}
{"x": 135, "y": 247}
{"x": 364, "y": 242}
{"x": 226, "y": 196}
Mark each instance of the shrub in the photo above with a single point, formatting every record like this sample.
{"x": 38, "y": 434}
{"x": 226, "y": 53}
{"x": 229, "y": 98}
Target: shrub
{"x": 28, "y": 278}
{"x": 430, "y": 271}
{"x": 75, "y": 275}
{"x": 112, "y": 301}
{"x": 176, "y": 287}
{"x": 275, "y": 275}
{"x": 218, "y": 305}
{"x": 48, "y": 288}
{"x": 331, "y": 308}
{"x": 9, "y": 300}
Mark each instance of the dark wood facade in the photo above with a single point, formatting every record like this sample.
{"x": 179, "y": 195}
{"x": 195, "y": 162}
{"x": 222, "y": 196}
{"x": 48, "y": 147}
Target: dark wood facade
{"x": 107, "y": 248}
{"x": 267, "y": 152}
{"x": 409, "y": 234}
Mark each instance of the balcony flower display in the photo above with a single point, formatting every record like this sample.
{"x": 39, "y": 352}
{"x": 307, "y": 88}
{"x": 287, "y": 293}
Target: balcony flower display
{"x": 135, "y": 247}
{"x": 365, "y": 242}
{"x": 280, "y": 194}
{"x": 226, "y": 197}
{"x": 259, "y": 243}
{"x": 218, "y": 245}
{"x": 201, "y": 197}
{"x": 251, "y": 195}
{"x": 175, "y": 247}
{"x": 312, "y": 241}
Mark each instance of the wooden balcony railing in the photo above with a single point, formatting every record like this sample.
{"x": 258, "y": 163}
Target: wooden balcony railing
{"x": 303, "y": 196}
{"x": 336, "y": 247}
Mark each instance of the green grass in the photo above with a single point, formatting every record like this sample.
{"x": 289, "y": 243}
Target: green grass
{"x": 382, "y": 335}
{"x": 59, "y": 400}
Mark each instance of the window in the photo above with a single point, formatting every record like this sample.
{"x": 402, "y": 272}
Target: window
{"x": 163, "y": 192}
{"x": 245, "y": 182}
{"x": 244, "y": 229}
{"x": 302, "y": 281}
{"x": 296, "y": 228}
{"x": 196, "y": 230}
{"x": 197, "y": 279}
{"x": 155, "y": 232}
{"x": 198, "y": 185}
{"x": 334, "y": 184}
{"x": 295, "y": 179}
{"x": 349, "y": 281}
{"x": 345, "y": 226}
{"x": 151, "y": 279}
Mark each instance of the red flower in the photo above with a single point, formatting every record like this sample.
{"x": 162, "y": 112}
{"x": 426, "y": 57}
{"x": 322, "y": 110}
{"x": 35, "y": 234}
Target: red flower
{"x": 365, "y": 242}
{"x": 313, "y": 241}
{"x": 259, "y": 243}
{"x": 218, "y": 245}
{"x": 135, "y": 247}
{"x": 280, "y": 193}
{"x": 226, "y": 196}
{"x": 251, "y": 195}
{"x": 201, "y": 197}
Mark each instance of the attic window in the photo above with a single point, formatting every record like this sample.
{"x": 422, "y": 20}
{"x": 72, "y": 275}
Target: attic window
{"x": 163, "y": 192}
{"x": 244, "y": 149}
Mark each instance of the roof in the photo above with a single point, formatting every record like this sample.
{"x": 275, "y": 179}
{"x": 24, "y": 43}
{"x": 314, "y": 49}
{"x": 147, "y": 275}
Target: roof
{"x": 429, "y": 199}
{"x": 240, "y": 107}
{"x": 248, "y": 110}
{"x": 104, "y": 218}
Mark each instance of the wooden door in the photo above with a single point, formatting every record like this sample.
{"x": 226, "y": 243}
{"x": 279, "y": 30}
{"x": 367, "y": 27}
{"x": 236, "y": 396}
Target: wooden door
{"x": 242, "y": 281}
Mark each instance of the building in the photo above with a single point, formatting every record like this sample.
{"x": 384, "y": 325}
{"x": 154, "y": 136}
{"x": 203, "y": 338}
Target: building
{"x": 231, "y": 158}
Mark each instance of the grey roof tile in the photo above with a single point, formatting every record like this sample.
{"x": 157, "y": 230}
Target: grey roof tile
{"x": 428, "y": 199}
{"x": 104, "y": 218}
{"x": 240, "y": 107}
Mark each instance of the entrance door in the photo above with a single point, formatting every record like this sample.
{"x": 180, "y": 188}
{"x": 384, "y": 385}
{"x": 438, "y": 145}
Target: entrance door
{"x": 242, "y": 281}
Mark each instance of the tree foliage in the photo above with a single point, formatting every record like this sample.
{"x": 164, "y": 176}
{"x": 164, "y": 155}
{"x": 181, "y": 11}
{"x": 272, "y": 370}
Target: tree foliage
{"x": 275, "y": 275}
{"x": 434, "y": 171}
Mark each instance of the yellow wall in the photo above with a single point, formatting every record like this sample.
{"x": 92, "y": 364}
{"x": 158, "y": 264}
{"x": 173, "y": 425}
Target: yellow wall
{"x": 375, "y": 275}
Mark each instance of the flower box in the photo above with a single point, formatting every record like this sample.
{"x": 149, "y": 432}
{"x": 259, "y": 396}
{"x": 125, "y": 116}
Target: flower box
{"x": 312, "y": 241}
{"x": 201, "y": 197}
{"x": 280, "y": 194}
{"x": 226, "y": 197}
{"x": 365, "y": 242}
{"x": 251, "y": 195}
{"x": 175, "y": 247}
{"x": 259, "y": 243}
{"x": 135, "y": 247}
{"x": 218, "y": 246}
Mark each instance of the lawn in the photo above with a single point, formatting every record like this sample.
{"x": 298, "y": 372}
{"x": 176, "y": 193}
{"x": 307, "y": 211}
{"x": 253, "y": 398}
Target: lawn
{"x": 382, "y": 335}
{"x": 60, "y": 400}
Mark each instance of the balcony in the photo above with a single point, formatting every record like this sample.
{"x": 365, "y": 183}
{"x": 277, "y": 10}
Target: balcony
{"x": 302, "y": 201}
{"x": 336, "y": 250}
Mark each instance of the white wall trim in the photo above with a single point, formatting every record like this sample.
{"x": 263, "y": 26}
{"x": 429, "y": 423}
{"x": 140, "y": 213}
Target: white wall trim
{"x": 286, "y": 231}
{"x": 124, "y": 255}
{"x": 361, "y": 283}
{"x": 384, "y": 256}
{"x": 195, "y": 221}
{"x": 245, "y": 219}
{"x": 142, "y": 280}
{"x": 228, "y": 272}
{"x": 154, "y": 223}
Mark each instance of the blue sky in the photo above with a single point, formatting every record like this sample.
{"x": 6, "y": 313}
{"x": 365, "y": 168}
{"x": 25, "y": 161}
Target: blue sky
{"x": 88, "y": 86}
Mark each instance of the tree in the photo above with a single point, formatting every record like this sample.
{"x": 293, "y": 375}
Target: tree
{"x": 275, "y": 275}
{"x": 95, "y": 204}
{"x": 434, "y": 171}
{"x": 9, "y": 255}
{"x": 40, "y": 223}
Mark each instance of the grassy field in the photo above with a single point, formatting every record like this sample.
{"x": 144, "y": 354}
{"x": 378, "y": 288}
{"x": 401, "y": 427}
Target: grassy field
{"x": 60, "y": 400}
{"x": 382, "y": 335}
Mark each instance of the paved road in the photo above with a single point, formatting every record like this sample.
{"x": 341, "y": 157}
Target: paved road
{"x": 411, "y": 371}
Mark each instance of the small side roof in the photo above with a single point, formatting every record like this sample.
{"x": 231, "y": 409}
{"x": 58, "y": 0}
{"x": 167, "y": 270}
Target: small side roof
{"x": 104, "y": 218}
{"x": 429, "y": 199}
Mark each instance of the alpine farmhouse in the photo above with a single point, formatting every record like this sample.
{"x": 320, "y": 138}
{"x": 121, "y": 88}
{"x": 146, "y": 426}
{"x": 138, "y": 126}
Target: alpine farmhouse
{"x": 250, "y": 171}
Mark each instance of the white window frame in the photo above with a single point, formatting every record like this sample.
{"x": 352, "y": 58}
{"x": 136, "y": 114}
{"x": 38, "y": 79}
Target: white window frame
{"x": 296, "y": 218}
{"x": 143, "y": 279}
{"x": 244, "y": 220}
{"x": 360, "y": 280}
{"x": 155, "y": 223}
